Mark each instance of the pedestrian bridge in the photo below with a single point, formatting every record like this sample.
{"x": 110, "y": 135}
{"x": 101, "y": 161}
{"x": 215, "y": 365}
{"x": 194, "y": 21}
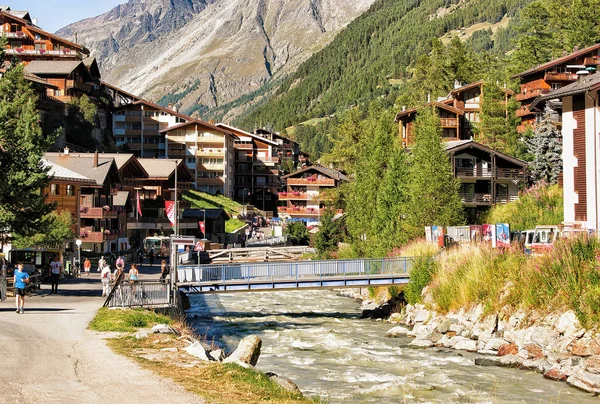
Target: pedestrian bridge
{"x": 265, "y": 276}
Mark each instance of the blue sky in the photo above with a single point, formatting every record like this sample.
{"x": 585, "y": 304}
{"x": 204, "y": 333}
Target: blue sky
{"x": 55, "y": 14}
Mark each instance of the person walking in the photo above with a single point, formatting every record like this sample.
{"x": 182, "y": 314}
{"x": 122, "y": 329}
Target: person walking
{"x": 120, "y": 262}
{"x": 134, "y": 273}
{"x": 164, "y": 270}
{"x": 101, "y": 263}
{"x": 151, "y": 256}
{"x": 56, "y": 269}
{"x": 105, "y": 277}
{"x": 87, "y": 266}
{"x": 21, "y": 281}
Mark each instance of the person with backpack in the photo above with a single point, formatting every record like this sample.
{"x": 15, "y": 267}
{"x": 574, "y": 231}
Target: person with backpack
{"x": 105, "y": 277}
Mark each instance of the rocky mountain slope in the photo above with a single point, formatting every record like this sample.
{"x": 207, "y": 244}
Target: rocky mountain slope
{"x": 199, "y": 54}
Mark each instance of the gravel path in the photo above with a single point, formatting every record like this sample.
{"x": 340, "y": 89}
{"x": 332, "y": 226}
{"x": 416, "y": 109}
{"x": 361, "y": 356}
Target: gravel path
{"x": 50, "y": 357}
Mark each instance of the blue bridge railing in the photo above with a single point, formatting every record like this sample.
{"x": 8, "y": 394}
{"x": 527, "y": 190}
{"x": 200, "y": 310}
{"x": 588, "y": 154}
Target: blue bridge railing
{"x": 296, "y": 270}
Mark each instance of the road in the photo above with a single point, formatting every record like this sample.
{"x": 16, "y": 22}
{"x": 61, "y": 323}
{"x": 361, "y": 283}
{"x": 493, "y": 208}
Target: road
{"x": 50, "y": 357}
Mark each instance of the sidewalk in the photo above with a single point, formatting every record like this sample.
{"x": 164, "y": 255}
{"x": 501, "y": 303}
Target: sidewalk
{"x": 49, "y": 355}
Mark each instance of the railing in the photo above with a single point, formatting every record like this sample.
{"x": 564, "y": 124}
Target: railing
{"x": 473, "y": 172}
{"x": 559, "y": 76}
{"x": 310, "y": 181}
{"x": 302, "y": 196}
{"x": 260, "y": 159}
{"x": 41, "y": 52}
{"x": 449, "y": 122}
{"x": 269, "y": 241}
{"x": 531, "y": 93}
{"x": 300, "y": 211}
{"x": 97, "y": 213}
{"x": 480, "y": 199}
{"x": 523, "y": 111}
{"x": 510, "y": 173}
{"x": 138, "y": 294}
{"x": 506, "y": 198}
{"x": 293, "y": 270}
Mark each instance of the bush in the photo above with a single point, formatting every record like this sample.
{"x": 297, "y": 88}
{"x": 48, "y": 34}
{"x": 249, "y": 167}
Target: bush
{"x": 297, "y": 233}
{"x": 420, "y": 276}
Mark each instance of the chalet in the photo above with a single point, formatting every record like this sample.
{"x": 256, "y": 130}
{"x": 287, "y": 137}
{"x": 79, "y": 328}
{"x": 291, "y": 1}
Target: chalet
{"x": 581, "y": 150}
{"x": 450, "y": 120}
{"x": 27, "y": 42}
{"x": 137, "y": 127}
{"x": 487, "y": 177}
{"x": 257, "y": 167}
{"x": 289, "y": 150}
{"x": 544, "y": 79}
{"x": 304, "y": 195}
{"x": 70, "y": 79}
{"x": 102, "y": 224}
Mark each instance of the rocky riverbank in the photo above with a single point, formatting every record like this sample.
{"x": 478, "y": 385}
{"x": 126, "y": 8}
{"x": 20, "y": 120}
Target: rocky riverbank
{"x": 554, "y": 345}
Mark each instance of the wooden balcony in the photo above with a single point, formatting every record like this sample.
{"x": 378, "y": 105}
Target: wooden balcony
{"x": 476, "y": 199}
{"x": 592, "y": 60}
{"x": 523, "y": 111}
{"x": 211, "y": 153}
{"x": 531, "y": 93}
{"x": 267, "y": 160}
{"x": 211, "y": 181}
{"x": 311, "y": 181}
{"x": 243, "y": 146}
{"x": 475, "y": 172}
{"x": 449, "y": 122}
{"x": 294, "y": 196}
{"x": 91, "y": 235}
{"x": 510, "y": 173}
{"x": 300, "y": 211}
{"x": 551, "y": 77}
{"x": 97, "y": 213}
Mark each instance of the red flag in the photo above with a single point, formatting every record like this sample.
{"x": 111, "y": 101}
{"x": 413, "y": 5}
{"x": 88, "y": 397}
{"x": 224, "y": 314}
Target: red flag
{"x": 201, "y": 225}
{"x": 170, "y": 207}
{"x": 139, "y": 204}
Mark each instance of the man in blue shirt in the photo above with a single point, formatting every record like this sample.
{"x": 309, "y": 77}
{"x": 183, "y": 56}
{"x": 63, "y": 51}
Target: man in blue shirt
{"x": 21, "y": 280}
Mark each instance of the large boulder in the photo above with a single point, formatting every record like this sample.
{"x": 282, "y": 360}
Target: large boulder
{"x": 421, "y": 343}
{"x": 287, "y": 384}
{"x": 568, "y": 324}
{"x": 247, "y": 351}
{"x": 163, "y": 329}
{"x": 197, "y": 349}
{"x": 508, "y": 349}
{"x": 534, "y": 351}
{"x": 585, "y": 346}
{"x": 555, "y": 374}
{"x": 585, "y": 381}
{"x": 494, "y": 344}
{"x": 398, "y": 331}
{"x": 465, "y": 344}
{"x": 592, "y": 364}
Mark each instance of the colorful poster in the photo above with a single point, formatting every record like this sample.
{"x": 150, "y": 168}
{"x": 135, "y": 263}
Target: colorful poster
{"x": 476, "y": 233}
{"x": 502, "y": 235}
{"x": 487, "y": 232}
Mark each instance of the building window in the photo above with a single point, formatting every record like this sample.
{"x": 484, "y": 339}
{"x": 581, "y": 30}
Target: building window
{"x": 55, "y": 189}
{"x": 70, "y": 190}
{"x": 555, "y": 86}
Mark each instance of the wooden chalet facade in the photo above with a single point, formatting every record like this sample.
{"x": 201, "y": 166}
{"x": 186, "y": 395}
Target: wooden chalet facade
{"x": 544, "y": 79}
{"x": 208, "y": 152}
{"x": 487, "y": 177}
{"x": 450, "y": 121}
{"x": 304, "y": 197}
{"x": 70, "y": 79}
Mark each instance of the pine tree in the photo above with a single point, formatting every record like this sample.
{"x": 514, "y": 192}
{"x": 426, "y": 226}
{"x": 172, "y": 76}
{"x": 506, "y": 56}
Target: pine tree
{"x": 433, "y": 192}
{"x": 22, "y": 207}
{"x": 546, "y": 147}
{"x": 329, "y": 235}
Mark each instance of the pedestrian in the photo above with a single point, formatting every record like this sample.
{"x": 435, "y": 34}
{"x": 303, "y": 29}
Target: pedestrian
{"x": 134, "y": 273}
{"x": 21, "y": 280}
{"x": 56, "y": 269}
{"x": 101, "y": 263}
{"x": 164, "y": 270}
{"x": 120, "y": 262}
{"x": 105, "y": 277}
{"x": 87, "y": 266}
{"x": 118, "y": 273}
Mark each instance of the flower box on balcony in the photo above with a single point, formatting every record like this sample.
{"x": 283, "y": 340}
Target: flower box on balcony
{"x": 83, "y": 209}
{"x": 283, "y": 194}
{"x": 19, "y": 50}
{"x": 20, "y": 34}
{"x": 42, "y": 51}
{"x": 106, "y": 208}
{"x": 296, "y": 193}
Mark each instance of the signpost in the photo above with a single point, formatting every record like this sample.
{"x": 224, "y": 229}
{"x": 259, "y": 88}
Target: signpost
{"x": 199, "y": 247}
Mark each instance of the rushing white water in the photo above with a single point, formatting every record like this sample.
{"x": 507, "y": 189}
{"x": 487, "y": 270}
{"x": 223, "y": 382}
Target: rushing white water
{"x": 317, "y": 339}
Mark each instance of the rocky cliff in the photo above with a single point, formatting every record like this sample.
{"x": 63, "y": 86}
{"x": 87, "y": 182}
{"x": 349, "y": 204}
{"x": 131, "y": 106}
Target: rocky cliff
{"x": 199, "y": 54}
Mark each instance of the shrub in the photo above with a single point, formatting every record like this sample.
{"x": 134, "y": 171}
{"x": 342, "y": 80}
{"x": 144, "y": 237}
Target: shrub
{"x": 420, "y": 276}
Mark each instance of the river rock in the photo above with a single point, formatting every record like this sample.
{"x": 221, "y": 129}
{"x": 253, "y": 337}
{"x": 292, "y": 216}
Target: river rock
{"x": 584, "y": 347}
{"x": 248, "y": 351}
{"x": 539, "y": 365}
{"x": 287, "y": 384}
{"x": 592, "y": 364}
{"x": 457, "y": 328}
{"x": 555, "y": 374}
{"x": 141, "y": 335}
{"x": 534, "y": 351}
{"x": 398, "y": 331}
{"x": 197, "y": 349}
{"x": 585, "y": 381}
{"x": 217, "y": 354}
{"x": 163, "y": 329}
{"x": 422, "y": 316}
{"x": 510, "y": 361}
{"x": 444, "y": 326}
{"x": 508, "y": 349}
{"x": 444, "y": 341}
{"x": 568, "y": 324}
{"x": 420, "y": 331}
{"x": 395, "y": 318}
{"x": 542, "y": 336}
{"x": 465, "y": 344}
{"x": 494, "y": 344}
{"x": 421, "y": 343}
{"x": 516, "y": 319}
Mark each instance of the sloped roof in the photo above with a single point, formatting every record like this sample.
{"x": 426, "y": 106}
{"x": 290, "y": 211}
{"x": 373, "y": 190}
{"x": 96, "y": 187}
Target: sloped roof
{"x": 156, "y": 106}
{"x": 477, "y": 84}
{"x": 329, "y": 172}
{"x": 92, "y": 65}
{"x": 121, "y": 198}
{"x": 163, "y": 169}
{"x": 41, "y": 67}
{"x": 592, "y": 82}
{"x": 197, "y": 122}
{"x": 38, "y": 80}
{"x": 557, "y": 62}
{"x": 245, "y": 133}
{"x": 199, "y": 214}
{"x": 84, "y": 164}
{"x": 457, "y": 145}
{"x": 62, "y": 173}
{"x": 120, "y": 90}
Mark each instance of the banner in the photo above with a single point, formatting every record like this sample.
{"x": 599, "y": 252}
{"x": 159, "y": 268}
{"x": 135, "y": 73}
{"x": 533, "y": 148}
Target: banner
{"x": 170, "y": 208}
{"x": 139, "y": 205}
{"x": 502, "y": 235}
{"x": 201, "y": 226}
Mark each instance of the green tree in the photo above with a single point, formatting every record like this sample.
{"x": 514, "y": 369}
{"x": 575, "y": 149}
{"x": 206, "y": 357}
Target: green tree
{"x": 498, "y": 120}
{"x": 80, "y": 123}
{"x": 433, "y": 192}
{"x": 546, "y": 147}
{"x": 297, "y": 233}
{"x": 22, "y": 207}
{"x": 329, "y": 235}
{"x": 59, "y": 227}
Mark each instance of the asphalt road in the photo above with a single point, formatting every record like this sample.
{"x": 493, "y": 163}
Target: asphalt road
{"x": 50, "y": 357}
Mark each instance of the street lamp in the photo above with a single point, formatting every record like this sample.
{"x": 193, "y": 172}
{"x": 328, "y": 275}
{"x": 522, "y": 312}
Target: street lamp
{"x": 78, "y": 242}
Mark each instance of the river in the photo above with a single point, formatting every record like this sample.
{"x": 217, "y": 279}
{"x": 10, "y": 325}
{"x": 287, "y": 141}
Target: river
{"x": 317, "y": 339}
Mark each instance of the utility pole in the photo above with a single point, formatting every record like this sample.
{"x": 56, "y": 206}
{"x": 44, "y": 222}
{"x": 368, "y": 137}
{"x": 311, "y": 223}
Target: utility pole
{"x": 176, "y": 221}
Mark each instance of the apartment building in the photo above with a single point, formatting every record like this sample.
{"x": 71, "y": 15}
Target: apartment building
{"x": 207, "y": 150}
{"x": 138, "y": 128}
{"x": 541, "y": 81}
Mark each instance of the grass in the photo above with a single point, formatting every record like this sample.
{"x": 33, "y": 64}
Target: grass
{"x": 126, "y": 320}
{"x": 233, "y": 224}
{"x": 216, "y": 382}
{"x": 203, "y": 200}
{"x": 567, "y": 278}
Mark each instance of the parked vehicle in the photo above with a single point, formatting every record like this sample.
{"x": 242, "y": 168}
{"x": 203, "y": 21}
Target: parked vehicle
{"x": 160, "y": 244}
{"x": 544, "y": 238}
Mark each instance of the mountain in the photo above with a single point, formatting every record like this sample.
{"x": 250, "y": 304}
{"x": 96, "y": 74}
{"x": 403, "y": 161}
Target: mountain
{"x": 200, "y": 54}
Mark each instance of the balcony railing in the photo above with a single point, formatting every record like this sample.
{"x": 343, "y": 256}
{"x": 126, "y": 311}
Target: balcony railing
{"x": 300, "y": 211}
{"x": 510, "y": 173}
{"x": 559, "y": 76}
{"x": 211, "y": 181}
{"x": 243, "y": 146}
{"x": 523, "y": 111}
{"x": 41, "y": 52}
{"x": 486, "y": 199}
{"x": 294, "y": 196}
{"x": 310, "y": 181}
{"x": 531, "y": 93}
{"x": 448, "y": 122}
{"x": 259, "y": 160}
{"x": 97, "y": 213}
